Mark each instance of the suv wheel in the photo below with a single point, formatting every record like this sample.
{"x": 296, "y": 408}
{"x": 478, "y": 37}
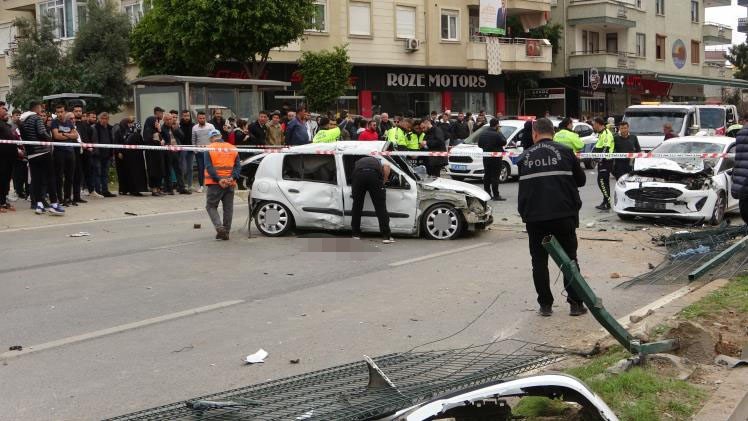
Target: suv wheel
{"x": 273, "y": 219}
{"x": 442, "y": 222}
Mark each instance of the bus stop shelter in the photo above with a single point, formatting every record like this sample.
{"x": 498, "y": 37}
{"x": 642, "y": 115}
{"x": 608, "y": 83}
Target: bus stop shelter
{"x": 239, "y": 98}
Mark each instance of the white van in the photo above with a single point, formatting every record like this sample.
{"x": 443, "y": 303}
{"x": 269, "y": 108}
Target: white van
{"x": 715, "y": 119}
{"x": 646, "y": 122}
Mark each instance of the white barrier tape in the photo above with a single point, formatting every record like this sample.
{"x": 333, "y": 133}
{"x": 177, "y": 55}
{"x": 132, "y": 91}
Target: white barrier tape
{"x": 276, "y": 149}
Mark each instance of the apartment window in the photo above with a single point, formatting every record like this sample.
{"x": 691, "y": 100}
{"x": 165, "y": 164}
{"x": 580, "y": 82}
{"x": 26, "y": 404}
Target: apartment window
{"x": 359, "y": 18}
{"x": 585, "y": 40}
{"x": 695, "y": 11}
{"x": 660, "y": 7}
{"x": 639, "y": 4}
{"x": 594, "y": 42}
{"x": 641, "y": 45}
{"x": 319, "y": 19}
{"x": 660, "y": 47}
{"x": 611, "y": 42}
{"x": 695, "y": 52}
{"x": 66, "y": 15}
{"x": 405, "y": 17}
{"x": 450, "y": 25}
{"x": 133, "y": 9}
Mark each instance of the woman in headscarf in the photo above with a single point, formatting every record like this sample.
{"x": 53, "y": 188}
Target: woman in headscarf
{"x": 135, "y": 163}
{"x": 120, "y": 133}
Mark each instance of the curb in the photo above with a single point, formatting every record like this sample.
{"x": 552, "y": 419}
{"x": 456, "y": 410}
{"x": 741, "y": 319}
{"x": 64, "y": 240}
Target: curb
{"x": 730, "y": 401}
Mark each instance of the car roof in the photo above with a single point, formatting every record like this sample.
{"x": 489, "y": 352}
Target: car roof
{"x": 345, "y": 146}
{"x": 661, "y": 106}
{"x": 518, "y": 123}
{"x": 722, "y": 140}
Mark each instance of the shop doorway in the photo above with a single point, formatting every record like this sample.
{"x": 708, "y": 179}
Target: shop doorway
{"x": 592, "y": 107}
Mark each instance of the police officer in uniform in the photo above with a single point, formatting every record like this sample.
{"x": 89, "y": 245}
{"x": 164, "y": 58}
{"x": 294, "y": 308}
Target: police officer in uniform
{"x": 492, "y": 140}
{"x": 605, "y": 144}
{"x": 549, "y": 203}
{"x": 369, "y": 175}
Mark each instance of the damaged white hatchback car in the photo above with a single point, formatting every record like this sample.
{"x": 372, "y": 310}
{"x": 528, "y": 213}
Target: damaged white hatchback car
{"x": 690, "y": 188}
{"x": 310, "y": 187}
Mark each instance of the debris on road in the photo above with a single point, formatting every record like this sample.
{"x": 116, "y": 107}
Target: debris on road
{"x": 295, "y": 361}
{"x": 197, "y": 226}
{"x": 131, "y": 214}
{"x": 15, "y": 348}
{"x": 636, "y": 318}
{"x": 729, "y": 362}
{"x": 80, "y": 234}
{"x": 257, "y": 357}
{"x": 186, "y": 348}
{"x": 613, "y": 240}
{"x": 615, "y": 275}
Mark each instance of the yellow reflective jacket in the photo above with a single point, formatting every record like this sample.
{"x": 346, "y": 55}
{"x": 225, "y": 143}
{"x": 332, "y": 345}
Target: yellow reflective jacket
{"x": 327, "y": 136}
{"x": 403, "y": 140}
{"x": 605, "y": 142}
{"x": 570, "y": 139}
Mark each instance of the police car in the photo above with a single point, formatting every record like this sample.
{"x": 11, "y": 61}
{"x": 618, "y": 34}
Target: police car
{"x": 463, "y": 166}
{"x": 310, "y": 187}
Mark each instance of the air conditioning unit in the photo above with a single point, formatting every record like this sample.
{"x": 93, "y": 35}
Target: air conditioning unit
{"x": 412, "y": 44}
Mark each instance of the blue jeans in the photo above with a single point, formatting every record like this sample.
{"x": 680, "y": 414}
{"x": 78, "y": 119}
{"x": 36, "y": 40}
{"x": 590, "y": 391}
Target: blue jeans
{"x": 186, "y": 162}
{"x": 200, "y": 168}
{"x": 101, "y": 174}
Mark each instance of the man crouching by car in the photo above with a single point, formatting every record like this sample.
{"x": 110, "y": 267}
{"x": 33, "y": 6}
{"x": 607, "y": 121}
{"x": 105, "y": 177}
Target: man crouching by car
{"x": 549, "y": 203}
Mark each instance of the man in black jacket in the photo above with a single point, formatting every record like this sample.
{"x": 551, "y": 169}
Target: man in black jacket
{"x": 434, "y": 141}
{"x": 492, "y": 140}
{"x": 460, "y": 128}
{"x": 739, "y": 188}
{"x": 258, "y": 131}
{"x": 102, "y": 157}
{"x": 8, "y": 155}
{"x": 625, "y": 143}
{"x": 41, "y": 164}
{"x": 82, "y": 174}
{"x": 549, "y": 203}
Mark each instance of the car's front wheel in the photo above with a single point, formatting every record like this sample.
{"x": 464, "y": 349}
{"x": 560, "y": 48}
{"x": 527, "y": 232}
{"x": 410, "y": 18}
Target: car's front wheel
{"x": 442, "y": 222}
{"x": 506, "y": 172}
{"x": 273, "y": 219}
{"x": 720, "y": 207}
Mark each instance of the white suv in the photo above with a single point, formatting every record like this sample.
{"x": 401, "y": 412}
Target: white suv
{"x": 310, "y": 187}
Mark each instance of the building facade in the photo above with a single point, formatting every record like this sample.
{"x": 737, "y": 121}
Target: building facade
{"x": 621, "y": 52}
{"x": 408, "y": 55}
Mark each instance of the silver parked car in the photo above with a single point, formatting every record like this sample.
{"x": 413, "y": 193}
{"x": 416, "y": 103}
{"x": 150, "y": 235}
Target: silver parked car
{"x": 310, "y": 187}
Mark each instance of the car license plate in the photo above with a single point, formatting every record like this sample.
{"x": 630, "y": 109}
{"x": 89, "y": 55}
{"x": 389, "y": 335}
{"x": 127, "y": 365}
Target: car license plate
{"x": 650, "y": 205}
{"x": 458, "y": 167}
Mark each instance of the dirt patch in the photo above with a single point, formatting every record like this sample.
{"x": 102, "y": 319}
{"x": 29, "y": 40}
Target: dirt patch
{"x": 696, "y": 342}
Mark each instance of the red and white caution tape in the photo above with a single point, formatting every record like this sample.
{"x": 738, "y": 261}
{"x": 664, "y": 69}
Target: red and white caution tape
{"x": 264, "y": 149}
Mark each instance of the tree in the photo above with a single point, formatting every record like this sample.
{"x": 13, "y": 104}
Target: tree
{"x": 553, "y": 32}
{"x": 325, "y": 76}
{"x": 190, "y": 36}
{"x": 38, "y": 65}
{"x": 738, "y": 57}
{"x": 100, "y": 53}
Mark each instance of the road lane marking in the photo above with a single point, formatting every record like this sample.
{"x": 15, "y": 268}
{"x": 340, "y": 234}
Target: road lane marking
{"x": 439, "y": 254}
{"x": 118, "y": 329}
{"x": 98, "y": 221}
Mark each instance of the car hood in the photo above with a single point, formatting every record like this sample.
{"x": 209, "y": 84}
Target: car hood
{"x": 457, "y": 186}
{"x": 681, "y": 166}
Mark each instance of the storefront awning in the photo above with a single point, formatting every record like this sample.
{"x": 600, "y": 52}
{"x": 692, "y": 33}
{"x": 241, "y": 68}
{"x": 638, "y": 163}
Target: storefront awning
{"x": 689, "y": 80}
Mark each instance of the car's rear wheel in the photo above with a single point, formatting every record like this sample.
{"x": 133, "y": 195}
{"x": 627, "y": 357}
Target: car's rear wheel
{"x": 506, "y": 172}
{"x": 718, "y": 214}
{"x": 273, "y": 219}
{"x": 590, "y": 164}
{"x": 442, "y": 222}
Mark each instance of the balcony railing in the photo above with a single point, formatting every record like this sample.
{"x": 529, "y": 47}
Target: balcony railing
{"x": 517, "y": 54}
{"x": 604, "y": 59}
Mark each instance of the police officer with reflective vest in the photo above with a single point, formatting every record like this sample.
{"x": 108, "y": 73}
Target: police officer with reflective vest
{"x": 605, "y": 144}
{"x": 549, "y": 203}
{"x": 403, "y": 137}
{"x": 328, "y": 132}
{"x": 567, "y": 136}
{"x": 222, "y": 171}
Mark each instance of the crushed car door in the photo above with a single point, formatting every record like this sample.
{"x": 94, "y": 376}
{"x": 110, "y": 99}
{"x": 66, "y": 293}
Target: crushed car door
{"x": 402, "y": 200}
{"x": 310, "y": 183}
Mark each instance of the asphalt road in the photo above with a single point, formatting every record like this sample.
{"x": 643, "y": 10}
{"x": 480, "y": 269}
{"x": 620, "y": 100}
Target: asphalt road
{"x": 148, "y": 311}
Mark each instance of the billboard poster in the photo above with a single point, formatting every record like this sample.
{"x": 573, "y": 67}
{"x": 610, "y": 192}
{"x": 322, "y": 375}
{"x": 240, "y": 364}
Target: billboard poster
{"x": 492, "y": 20}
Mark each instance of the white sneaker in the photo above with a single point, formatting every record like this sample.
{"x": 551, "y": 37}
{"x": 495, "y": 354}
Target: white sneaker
{"x": 95, "y": 194}
{"x": 388, "y": 241}
{"x": 85, "y": 192}
{"x": 200, "y": 190}
{"x": 12, "y": 197}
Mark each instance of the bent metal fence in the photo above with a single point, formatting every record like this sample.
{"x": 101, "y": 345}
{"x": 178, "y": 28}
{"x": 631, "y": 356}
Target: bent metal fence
{"x": 364, "y": 390}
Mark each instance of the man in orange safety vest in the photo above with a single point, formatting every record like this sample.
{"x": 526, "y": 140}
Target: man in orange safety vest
{"x": 222, "y": 170}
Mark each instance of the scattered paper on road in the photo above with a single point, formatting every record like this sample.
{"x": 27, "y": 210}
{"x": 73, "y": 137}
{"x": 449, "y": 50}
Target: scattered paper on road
{"x": 257, "y": 357}
{"x": 80, "y": 234}
{"x": 305, "y": 415}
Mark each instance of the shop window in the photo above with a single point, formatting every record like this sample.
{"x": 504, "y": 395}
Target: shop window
{"x": 450, "y": 25}
{"x": 406, "y": 22}
{"x": 359, "y": 18}
{"x": 695, "y": 52}
{"x": 660, "y": 7}
{"x": 312, "y": 168}
{"x": 641, "y": 45}
{"x": 695, "y": 11}
{"x": 319, "y": 19}
{"x": 660, "y": 47}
